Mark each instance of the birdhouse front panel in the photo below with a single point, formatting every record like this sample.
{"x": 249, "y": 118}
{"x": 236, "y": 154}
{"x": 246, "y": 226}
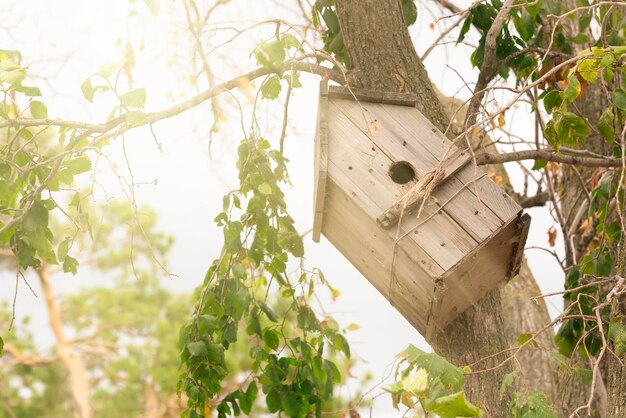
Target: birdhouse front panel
{"x": 424, "y": 225}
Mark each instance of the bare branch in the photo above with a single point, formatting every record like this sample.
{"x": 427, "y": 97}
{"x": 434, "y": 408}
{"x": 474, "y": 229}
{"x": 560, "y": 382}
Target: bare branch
{"x": 547, "y": 155}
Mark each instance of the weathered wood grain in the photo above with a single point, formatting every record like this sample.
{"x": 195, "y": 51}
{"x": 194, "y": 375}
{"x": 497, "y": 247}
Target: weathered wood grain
{"x": 468, "y": 237}
{"x": 321, "y": 162}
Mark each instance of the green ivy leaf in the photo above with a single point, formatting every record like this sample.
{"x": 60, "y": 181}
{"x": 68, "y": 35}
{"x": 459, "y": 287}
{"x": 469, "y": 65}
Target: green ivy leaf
{"x": 572, "y": 90}
{"x": 455, "y": 405}
{"x": 265, "y": 188}
{"x": 79, "y": 165}
{"x": 409, "y": 12}
{"x": 63, "y": 248}
{"x": 270, "y": 54}
{"x": 197, "y": 348}
{"x": 606, "y": 125}
{"x": 619, "y": 99}
{"x": 291, "y": 403}
{"x": 271, "y": 337}
{"x": 134, "y": 98}
{"x": 273, "y": 401}
{"x": 36, "y": 217}
{"x": 271, "y": 88}
{"x": 88, "y": 90}
{"x": 70, "y": 265}
{"x": 571, "y": 129}
{"x": 416, "y": 383}
{"x": 539, "y": 164}
{"x": 617, "y": 334}
{"x": 38, "y": 110}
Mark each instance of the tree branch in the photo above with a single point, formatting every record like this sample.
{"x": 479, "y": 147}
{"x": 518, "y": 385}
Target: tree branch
{"x": 294, "y": 64}
{"x": 19, "y": 358}
{"x": 547, "y": 155}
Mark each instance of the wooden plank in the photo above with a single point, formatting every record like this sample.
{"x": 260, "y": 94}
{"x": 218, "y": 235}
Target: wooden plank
{"x": 489, "y": 193}
{"x": 476, "y": 275}
{"x": 462, "y": 206}
{"x": 406, "y": 132}
{"x": 362, "y": 174}
{"x": 321, "y": 162}
{"x": 372, "y": 96}
{"x": 409, "y": 204}
{"x": 411, "y": 286}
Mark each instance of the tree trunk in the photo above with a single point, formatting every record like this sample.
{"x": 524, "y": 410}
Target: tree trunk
{"x": 383, "y": 58}
{"x": 74, "y": 365}
{"x": 616, "y": 368}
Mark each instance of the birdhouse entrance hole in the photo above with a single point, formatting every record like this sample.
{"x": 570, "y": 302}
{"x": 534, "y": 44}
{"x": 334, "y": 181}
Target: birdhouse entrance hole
{"x": 401, "y": 172}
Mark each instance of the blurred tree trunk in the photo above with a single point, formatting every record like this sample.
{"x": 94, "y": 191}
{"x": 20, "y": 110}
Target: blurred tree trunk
{"x": 381, "y": 54}
{"x": 73, "y": 364}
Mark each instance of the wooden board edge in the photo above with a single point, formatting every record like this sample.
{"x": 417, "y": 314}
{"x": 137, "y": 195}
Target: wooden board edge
{"x": 372, "y": 96}
{"x": 523, "y": 226}
{"x": 321, "y": 162}
{"x": 432, "y": 329}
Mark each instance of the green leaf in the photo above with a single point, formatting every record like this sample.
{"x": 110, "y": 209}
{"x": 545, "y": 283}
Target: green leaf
{"x": 619, "y": 99}
{"x": 247, "y": 399}
{"x": 153, "y": 5}
{"x": 455, "y": 405}
{"x": 271, "y": 88}
{"x": 63, "y": 248}
{"x": 134, "y": 98}
{"x": 1, "y": 346}
{"x": 36, "y": 217}
{"x": 270, "y": 54}
{"x": 450, "y": 375}
{"x": 271, "y": 337}
{"x": 38, "y": 110}
{"x": 70, "y": 265}
{"x": 551, "y": 100}
{"x": 293, "y": 79}
{"x": 572, "y": 90}
{"x": 606, "y": 125}
{"x": 571, "y": 129}
{"x": 507, "y": 381}
{"x": 87, "y": 89}
{"x": 523, "y": 339}
{"x": 465, "y": 28}
{"x": 409, "y": 12}
{"x": 290, "y": 41}
{"x": 617, "y": 334}
{"x": 341, "y": 344}
{"x": 416, "y": 383}
{"x": 291, "y": 404}
{"x": 539, "y": 164}
{"x": 79, "y": 165}
{"x": 273, "y": 401}
{"x": 265, "y": 188}
{"x": 197, "y": 348}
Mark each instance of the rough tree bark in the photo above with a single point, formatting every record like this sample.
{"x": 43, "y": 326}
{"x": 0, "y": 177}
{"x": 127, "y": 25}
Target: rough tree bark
{"x": 616, "y": 368}
{"x": 383, "y": 58}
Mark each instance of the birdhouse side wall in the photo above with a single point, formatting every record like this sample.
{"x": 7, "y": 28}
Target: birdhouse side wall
{"x": 371, "y": 250}
{"x": 488, "y": 267}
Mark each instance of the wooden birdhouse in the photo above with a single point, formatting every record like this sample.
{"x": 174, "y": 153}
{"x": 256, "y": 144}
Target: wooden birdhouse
{"x": 409, "y": 209}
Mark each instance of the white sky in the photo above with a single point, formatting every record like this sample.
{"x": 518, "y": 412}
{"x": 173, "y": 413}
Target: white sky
{"x": 68, "y": 40}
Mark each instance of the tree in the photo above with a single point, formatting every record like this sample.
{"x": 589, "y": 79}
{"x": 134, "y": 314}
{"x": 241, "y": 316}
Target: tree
{"x": 563, "y": 59}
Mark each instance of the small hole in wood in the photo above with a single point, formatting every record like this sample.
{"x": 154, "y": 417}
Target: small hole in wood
{"x": 401, "y": 172}
{"x": 349, "y": 167}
